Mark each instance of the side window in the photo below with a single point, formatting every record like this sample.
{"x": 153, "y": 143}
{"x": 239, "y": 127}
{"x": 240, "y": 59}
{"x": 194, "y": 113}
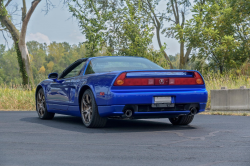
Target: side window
{"x": 75, "y": 71}
{"x": 89, "y": 69}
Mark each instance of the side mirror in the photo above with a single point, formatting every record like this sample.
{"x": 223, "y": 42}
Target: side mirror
{"x": 53, "y": 76}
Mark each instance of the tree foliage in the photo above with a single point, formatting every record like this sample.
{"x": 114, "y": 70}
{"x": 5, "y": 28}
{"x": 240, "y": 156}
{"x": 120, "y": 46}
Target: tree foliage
{"x": 44, "y": 60}
{"x": 218, "y": 33}
{"x": 118, "y": 25}
{"x": 7, "y": 25}
{"x": 219, "y": 30}
{"x": 52, "y": 58}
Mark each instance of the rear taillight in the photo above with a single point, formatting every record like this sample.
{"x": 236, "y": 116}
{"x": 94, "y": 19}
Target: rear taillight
{"x": 121, "y": 80}
{"x": 199, "y": 80}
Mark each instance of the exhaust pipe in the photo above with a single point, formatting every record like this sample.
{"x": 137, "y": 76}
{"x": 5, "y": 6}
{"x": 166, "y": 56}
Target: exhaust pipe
{"x": 128, "y": 113}
{"x": 193, "y": 111}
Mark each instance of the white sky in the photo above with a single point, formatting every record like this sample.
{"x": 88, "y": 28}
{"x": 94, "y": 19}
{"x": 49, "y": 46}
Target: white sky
{"x": 59, "y": 26}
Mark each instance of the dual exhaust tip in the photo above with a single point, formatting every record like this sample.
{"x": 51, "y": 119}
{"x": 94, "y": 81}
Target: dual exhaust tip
{"x": 193, "y": 111}
{"x": 128, "y": 113}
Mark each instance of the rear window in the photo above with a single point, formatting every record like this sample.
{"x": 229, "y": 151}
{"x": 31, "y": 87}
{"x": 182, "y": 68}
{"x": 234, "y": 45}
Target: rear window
{"x": 109, "y": 64}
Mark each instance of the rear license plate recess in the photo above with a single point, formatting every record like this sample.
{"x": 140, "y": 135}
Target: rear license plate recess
{"x": 163, "y": 101}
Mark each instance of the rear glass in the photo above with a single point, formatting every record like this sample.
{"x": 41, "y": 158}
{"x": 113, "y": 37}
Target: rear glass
{"x": 108, "y": 64}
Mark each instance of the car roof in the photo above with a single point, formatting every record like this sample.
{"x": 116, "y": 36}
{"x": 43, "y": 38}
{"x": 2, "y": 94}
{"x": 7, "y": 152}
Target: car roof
{"x": 114, "y": 56}
{"x": 89, "y": 58}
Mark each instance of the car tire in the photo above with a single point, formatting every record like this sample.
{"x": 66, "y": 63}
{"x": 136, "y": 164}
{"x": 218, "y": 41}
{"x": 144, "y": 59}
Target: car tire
{"x": 41, "y": 106}
{"x": 182, "y": 120}
{"x": 89, "y": 111}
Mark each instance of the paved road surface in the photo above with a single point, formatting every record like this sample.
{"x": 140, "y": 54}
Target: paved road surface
{"x": 210, "y": 140}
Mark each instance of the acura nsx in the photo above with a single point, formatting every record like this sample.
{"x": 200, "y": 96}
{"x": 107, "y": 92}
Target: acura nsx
{"x": 99, "y": 88}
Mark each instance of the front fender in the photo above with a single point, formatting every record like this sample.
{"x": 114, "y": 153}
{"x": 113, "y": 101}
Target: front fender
{"x": 42, "y": 85}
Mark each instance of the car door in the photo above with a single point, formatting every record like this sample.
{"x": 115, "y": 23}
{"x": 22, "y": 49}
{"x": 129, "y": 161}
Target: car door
{"x": 75, "y": 85}
{"x": 59, "y": 92}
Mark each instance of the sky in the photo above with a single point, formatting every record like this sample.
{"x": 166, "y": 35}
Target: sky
{"x": 59, "y": 25}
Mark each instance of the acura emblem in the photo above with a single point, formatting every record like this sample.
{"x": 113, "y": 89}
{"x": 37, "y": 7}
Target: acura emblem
{"x": 161, "y": 81}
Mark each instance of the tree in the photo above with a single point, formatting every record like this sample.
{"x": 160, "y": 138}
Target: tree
{"x": 19, "y": 38}
{"x": 136, "y": 35}
{"x": 91, "y": 26}
{"x": 9, "y": 67}
{"x": 179, "y": 8}
{"x": 2, "y": 48}
{"x": 112, "y": 16}
{"x": 241, "y": 21}
{"x": 175, "y": 13}
{"x": 220, "y": 33}
{"x": 50, "y": 66}
{"x": 42, "y": 70}
{"x": 116, "y": 25}
{"x": 41, "y": 63}
{"x": 149, "y": 10}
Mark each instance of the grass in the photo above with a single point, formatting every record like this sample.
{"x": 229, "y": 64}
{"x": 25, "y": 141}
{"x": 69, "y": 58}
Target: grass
{"x": 16, "y": 97}
{"x": 225, "y": 113}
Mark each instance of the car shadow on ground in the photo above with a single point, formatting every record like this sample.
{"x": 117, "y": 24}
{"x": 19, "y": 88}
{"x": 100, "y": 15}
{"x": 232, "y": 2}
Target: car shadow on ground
{"x": 113, "y": 125}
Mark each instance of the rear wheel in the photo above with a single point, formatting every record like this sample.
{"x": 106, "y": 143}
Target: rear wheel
{"x": 89, "y": 111}
{"x": 182, "y": 120}
{"x": 41, "y": 106}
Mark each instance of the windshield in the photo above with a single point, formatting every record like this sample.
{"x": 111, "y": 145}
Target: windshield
{"x": 108, "y": 64}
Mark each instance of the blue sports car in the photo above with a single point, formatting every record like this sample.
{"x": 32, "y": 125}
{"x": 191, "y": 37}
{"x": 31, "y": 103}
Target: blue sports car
{"x": 99, "y": 88}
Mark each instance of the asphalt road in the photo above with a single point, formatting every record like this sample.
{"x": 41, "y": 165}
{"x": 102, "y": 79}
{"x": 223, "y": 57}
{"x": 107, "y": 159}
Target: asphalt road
{"x": 209, "y": 140}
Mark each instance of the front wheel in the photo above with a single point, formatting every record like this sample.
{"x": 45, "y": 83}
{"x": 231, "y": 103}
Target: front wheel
{"x": 41, "y": 106}
{"x": 182, "y": 120}
{"x": 89, "y": 111}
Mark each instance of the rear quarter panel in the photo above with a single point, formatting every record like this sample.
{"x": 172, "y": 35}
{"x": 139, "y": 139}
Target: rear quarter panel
{"x": 100, "y": 82}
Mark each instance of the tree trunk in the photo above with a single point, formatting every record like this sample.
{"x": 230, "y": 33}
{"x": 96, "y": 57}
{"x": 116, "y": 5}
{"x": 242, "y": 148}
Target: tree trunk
{"x": 181, "y": 66}
{"x": 19, "y": 39}
{"x": 187, "y": 55}
{"x": 4, "y": 19}
{"x": 21, "y": 63}
{"x": 15, "y": 36}
{"x": 221, "y": 69}
{"x": 158, "y": 28}
{"x": 22, "y": 44}
{"x": 160, "y": 45}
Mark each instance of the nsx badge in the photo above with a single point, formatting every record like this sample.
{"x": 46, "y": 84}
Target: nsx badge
{"x": 161, "y": 81}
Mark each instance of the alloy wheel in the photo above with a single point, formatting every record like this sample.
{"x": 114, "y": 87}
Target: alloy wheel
{"x": 40, "y": 104}
{"x": 86, "y": 108}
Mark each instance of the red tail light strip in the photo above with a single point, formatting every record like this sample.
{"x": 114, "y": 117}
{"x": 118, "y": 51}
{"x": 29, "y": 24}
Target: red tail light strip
{"x": 123, "y": 81}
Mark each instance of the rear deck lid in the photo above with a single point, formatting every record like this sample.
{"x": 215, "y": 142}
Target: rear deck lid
{"x": 152, "y": 78}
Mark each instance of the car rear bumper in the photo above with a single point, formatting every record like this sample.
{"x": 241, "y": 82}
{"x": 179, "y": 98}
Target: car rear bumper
{"x": 141, "y": 100}
{"x": 146, "y": 96}
{"x": 118, "y": 110}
